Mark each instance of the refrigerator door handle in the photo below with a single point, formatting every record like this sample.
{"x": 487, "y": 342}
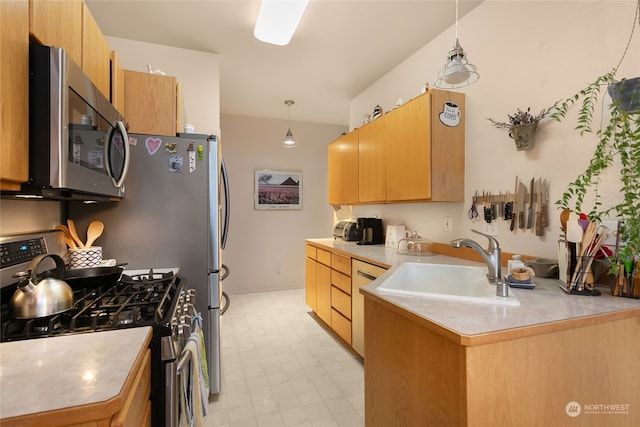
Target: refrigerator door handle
{"x": 226, "y": 272}
{"x": 225, "y": 182}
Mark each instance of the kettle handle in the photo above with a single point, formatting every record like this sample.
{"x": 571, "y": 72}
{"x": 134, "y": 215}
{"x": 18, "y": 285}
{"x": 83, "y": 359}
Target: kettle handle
{"x": 33, "y": 266}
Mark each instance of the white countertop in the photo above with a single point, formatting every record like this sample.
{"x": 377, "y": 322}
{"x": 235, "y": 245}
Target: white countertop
{"x": 46, "y": 374}
{"x": 546, "y": 303}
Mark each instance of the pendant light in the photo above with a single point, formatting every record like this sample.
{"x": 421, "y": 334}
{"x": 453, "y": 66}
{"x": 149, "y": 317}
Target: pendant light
{"x": 288, "y": 141}
{"x": 457, "y": 71}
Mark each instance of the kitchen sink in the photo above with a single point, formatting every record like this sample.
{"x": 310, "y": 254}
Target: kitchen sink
{"x": 444, "y": 282}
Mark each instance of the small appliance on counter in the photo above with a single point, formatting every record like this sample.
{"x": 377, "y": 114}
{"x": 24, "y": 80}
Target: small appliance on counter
{"x": 348, "y": 231}
{"x": 371, "y": 229}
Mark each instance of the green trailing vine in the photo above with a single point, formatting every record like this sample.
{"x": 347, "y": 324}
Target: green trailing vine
{"x": 619, "y": 139}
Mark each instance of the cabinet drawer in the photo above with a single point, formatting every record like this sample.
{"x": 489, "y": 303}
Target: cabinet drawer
{"x": 341, "y": 325}
{"x": 341, "y": 263}
{"x": 341, "y": 281}
{"x": 310, "y": 251}
{"x": 324, "y": 257}
{"x": 341, "y": 302}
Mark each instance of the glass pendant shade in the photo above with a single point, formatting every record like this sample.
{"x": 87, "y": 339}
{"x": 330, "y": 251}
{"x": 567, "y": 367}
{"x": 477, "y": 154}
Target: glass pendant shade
{"x": 289, "y": 141}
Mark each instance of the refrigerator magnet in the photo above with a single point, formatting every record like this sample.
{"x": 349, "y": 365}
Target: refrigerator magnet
{"x": 175, "y": 163}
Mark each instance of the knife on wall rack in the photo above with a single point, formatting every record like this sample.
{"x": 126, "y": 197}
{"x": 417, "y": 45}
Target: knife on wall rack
{"x": 522, "y": 193}
{"x": 514, "y": 209}
{"x": 530, "y": 207}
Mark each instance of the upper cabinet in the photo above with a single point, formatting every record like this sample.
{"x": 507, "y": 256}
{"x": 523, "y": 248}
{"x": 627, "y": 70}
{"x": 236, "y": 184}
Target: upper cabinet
{"x": 69, "y": 24}
{"x": 57, "y": 23}
{"x": 96, "y": 55}
{"x": 413, "y": 153}
{"x": 14, "y": 87}
{"x": 117, "y": 84}
{"x": 343, "y": 170}
{"x": 150, "y": 103}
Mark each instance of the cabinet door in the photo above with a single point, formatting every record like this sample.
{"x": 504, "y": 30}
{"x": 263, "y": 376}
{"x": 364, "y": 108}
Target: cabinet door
{"x": 310, "y": 283}
{"x": 323, "y": 293}
{"x": 95, "y": 53}
{"x": 14, "y": 87}
{"x": 150, "y": 103}
{"x": 117, "y": 83}
{"x": 363, "y": 273}
{"x": 58, "y": 23}
{"x": 343, "y": 170}
{"x": 372, "y": 173}
{"x": 409, "y": 151}
{"x": 447, "y": 149}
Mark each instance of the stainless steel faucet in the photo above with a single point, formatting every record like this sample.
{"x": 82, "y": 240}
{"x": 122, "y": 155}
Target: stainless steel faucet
{"x": 491, "y": 257}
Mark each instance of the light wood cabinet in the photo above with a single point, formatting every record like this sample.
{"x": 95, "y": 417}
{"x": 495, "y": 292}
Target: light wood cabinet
{"x": 413, "y": 153}
{"x": 418, "y": 372}
{"x": 57, "y": 23}
{"x": 310, "y": 281}
{"x": 425, "y": 157}
{"x": 14, "y": 87}
{"x": 333, "y": 281}
{"x": 342, "y": 172}
{"x": 362, "y": 274}
{"x": 150, "y": 103}
{"x": 372, "y": 173}
{"x": 136, "y": 410}
{"x": 96, "y": 55}
{"x": 117, "y": 83}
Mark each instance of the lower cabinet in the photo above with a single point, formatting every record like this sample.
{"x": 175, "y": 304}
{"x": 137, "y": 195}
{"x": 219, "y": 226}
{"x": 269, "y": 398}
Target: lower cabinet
{"x": 332, "y": 283}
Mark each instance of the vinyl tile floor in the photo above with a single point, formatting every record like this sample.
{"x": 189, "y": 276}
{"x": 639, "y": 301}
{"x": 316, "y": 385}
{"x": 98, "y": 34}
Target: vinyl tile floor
{"x": 280, "y": 367}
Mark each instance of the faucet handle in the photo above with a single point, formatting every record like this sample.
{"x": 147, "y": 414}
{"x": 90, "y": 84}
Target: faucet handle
{"x": 493, "y": 242}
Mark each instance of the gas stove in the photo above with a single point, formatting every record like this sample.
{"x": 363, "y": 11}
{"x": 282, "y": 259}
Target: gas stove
{"x": 154, "y": 297}
{"x": 139, "y": 298}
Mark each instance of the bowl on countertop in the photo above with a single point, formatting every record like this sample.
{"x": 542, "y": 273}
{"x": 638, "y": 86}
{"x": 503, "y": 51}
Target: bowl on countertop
{"x": 543, "y": 267}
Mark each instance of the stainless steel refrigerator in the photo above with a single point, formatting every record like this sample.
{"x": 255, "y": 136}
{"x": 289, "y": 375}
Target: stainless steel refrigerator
{"x": 175, "y": 214}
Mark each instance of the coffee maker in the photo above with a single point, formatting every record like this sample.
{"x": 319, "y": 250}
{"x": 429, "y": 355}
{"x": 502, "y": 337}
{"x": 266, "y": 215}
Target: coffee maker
{"x": 371, "y": 229}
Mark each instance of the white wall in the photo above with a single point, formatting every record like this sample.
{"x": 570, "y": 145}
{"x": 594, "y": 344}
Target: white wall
{"x": 529, "y": 54}
{"x": 197, "y": 72}
{"x": 260, "y": 239}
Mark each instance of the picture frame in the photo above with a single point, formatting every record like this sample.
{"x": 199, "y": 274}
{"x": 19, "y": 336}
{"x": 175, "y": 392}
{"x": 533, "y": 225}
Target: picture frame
{"x": 277, "y": 190}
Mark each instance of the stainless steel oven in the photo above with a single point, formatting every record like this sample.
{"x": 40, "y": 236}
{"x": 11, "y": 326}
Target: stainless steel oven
{"x": 144, "y": 297}
{"x": 78, "y": 143}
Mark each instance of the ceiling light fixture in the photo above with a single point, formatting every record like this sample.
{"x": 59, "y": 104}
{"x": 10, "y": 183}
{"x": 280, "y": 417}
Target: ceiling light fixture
{"x": 457, "y": 71}
{"x": 288, "y": 141}
{"x": 278, "y": 20}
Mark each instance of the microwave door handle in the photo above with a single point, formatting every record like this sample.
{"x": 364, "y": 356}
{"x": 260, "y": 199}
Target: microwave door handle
{"x": 123, "y": 131}
{"x": 127, "y": 153}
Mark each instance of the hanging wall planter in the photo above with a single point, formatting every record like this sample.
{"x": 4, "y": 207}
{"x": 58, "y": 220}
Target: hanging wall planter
{"x": 626, "y": 94}
{"x": 523, "y": 135}
{"x": 522, "y": 127}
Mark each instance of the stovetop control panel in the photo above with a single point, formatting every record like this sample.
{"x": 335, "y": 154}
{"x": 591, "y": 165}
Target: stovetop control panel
{"x": 14, "y": 253}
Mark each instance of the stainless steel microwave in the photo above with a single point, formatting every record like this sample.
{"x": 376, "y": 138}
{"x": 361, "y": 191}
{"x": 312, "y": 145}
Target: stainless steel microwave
{"x": 78, "y": 143}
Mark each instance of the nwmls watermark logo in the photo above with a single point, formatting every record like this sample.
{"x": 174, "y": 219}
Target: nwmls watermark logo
{"x": 573, "y": 409}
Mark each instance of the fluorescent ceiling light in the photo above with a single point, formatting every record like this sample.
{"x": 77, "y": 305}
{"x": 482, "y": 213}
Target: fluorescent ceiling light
{"x": 278, "y": 20}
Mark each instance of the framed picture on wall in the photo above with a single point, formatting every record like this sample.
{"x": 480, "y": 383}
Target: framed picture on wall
{"x": 278, "y": 189}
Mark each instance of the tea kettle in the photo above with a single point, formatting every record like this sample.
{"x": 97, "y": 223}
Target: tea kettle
{"x": 46, "y": 297}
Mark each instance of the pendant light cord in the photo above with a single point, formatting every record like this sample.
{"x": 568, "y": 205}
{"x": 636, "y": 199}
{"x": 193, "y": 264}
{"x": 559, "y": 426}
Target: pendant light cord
{"x": 635, "y": 18}
{"x": 457, "y": 19}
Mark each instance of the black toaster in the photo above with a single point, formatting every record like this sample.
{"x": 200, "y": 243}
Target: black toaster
{"x": 348, "y": 231}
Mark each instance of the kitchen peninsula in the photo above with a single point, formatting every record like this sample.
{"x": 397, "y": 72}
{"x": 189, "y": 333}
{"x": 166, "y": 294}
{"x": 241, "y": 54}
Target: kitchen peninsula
{"x": 95, "y": 378}
{"x": 430, "y": 362}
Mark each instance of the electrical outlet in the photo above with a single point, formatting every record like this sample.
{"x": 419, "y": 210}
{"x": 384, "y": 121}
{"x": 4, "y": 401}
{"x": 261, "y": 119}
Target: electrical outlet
{"x": 277, "y": 268}
{"x": 490, "y": 228}
{"x": 448, "y": 223}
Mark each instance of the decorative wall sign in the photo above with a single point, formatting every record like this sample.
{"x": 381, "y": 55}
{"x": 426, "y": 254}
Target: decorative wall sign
{"x": 450, "y": 116}
{"x": 278, "y": 189}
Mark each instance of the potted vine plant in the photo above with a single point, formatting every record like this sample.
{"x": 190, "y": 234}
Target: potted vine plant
{"x": 522, "y": 127}
{"x": 618, "y": 144}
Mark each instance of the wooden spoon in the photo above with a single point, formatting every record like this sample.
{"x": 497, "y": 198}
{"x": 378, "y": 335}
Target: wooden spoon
{"x": 67, "y": 236}
{"x": 93, "y": 232}
{"x": 74, "y": 233}
{"x": 564, "y": 217}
